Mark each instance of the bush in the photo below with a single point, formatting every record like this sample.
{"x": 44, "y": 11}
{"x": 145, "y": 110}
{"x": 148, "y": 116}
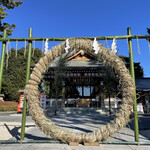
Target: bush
{"x": 8, "y": 108}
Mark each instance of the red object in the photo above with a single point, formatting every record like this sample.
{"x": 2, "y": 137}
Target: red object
{"x": 20, "y": 100}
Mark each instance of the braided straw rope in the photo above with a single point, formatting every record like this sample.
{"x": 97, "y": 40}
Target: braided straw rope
{"x": 109, "y": 59}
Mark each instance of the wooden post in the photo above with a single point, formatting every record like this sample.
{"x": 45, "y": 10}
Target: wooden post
{"x": 109, "y": 104}
{"x": 2, "y": 58}
{"x": 136, "y": 128}
{"x": 27, "y": 78}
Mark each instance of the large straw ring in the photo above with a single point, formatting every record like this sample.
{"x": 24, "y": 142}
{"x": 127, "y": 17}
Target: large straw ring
{"x": 109, "y": 59}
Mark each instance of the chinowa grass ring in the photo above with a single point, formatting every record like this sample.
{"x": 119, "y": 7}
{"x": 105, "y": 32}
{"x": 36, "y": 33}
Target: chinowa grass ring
{"x": 108, "y": 58}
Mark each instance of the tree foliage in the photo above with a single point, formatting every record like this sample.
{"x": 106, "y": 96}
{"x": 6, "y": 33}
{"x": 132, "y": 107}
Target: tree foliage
{"x": 110, "y": 84}
{"x": 4, "y": 5}
{"x": 139, "y": 73}
{"x": 110, "y": 81}
{"x": 59, "y": 72}
{"x": 148, "y": 30}
{"x": 14, "y": 75}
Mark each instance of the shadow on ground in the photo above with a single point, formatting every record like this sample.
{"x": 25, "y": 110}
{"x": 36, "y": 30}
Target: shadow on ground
{"x": 144, "y": 125}
{"x": 15, "y": 133}
{"x": 83, "y": 122}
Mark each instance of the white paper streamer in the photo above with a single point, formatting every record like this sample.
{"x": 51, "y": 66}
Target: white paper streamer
{"x": 149, "y": 45}
{"x": 25, "y": 48}
{"x": 113, "y": 46}
{"x": 67, "y": 46}
{"x": 43, "y": 46}
{"x": 138, "y": 45}
{"x": 95, "y": 46}
{"x": 46, "y": 46}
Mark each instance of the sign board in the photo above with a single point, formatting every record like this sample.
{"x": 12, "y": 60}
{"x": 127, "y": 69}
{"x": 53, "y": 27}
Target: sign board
{"x": 43, "y": 102}
{"x": 22, "y": 100}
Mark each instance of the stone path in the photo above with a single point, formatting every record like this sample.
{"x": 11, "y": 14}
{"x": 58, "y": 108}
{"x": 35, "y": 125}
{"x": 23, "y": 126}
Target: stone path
{"x": 10, "y": 127}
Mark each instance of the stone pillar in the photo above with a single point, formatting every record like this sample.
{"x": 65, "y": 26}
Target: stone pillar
{"x": 2, "y": 97}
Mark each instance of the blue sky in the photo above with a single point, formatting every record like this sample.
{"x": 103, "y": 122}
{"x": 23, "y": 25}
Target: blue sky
{"x": 83, "y": 18}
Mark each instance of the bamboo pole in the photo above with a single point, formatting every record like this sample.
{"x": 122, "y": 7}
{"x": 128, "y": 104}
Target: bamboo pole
{"x": 64, "y": 38}
{"x": 27, "y": 78}
{"x": 136, "y": 128}
{"x": 2, "y": 58}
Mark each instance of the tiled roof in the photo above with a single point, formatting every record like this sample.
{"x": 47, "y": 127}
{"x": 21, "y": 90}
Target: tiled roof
{"x": 84, "y": 63}
{"x": 78, "y": 63}
{"x": 143, "y": 84}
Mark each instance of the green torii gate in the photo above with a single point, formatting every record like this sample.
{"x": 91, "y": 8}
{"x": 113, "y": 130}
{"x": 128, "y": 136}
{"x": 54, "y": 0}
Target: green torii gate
{"x": 129, "y": 37}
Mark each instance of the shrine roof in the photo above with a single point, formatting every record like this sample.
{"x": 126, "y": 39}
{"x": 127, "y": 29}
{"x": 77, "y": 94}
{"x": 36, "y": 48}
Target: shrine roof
{"x": 84, "y": 63}
{"x": 79, "y": 59}
{"x": 143, "y": 84}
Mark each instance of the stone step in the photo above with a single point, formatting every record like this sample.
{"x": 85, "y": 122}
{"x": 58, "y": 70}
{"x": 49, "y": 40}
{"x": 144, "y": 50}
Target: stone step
{"x": 75, "y": 110}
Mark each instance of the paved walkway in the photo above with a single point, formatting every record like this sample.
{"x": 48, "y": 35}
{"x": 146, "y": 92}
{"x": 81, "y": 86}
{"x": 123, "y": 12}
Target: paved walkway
{"x": 66, "y": 147}
{"x": 10, "y": 130}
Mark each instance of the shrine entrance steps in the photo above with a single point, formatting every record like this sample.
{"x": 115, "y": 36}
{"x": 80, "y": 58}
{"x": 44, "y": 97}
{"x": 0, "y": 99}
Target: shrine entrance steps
{"x": 76, "y": 110}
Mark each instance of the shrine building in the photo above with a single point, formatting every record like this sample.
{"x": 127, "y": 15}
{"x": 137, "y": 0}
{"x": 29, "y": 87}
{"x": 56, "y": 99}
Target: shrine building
{"x": 83, "y": 82}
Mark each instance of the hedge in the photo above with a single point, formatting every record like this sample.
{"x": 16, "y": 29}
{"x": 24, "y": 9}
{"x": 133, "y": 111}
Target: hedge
{"x": 8, "y": 107}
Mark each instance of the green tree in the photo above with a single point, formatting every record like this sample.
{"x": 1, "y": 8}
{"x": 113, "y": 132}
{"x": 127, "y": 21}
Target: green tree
{"x": 59, "y": 72}
{"x": 139, "y": 73}
{"x": 110, "y": 84}
{"x": 148, "y": 30}
{"x": 4, "y": 5}
{"x": 14, "y": 75}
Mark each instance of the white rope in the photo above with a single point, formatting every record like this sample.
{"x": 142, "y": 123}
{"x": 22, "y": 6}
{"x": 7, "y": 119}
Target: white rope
{"x": 95, "y": 46}
{"x": 67, "y": 46}
{"x": 16, "y": 47}
{"x": 7, "y": 54}
{"x": 107, "y": 43}
{"x": 46, "y": 46}
{"x": 33, "y": 48}
{"x": 128, "y": 44}
{"x": 54, "y": 42}
{"x": 25, "y": 48}
{"x": 149, "y": 45}
{"x": 114, "y": 46}
{"x": 43, "y": 46}
{"x": 138, "y": 45}
{"x": 9, "y": 47}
